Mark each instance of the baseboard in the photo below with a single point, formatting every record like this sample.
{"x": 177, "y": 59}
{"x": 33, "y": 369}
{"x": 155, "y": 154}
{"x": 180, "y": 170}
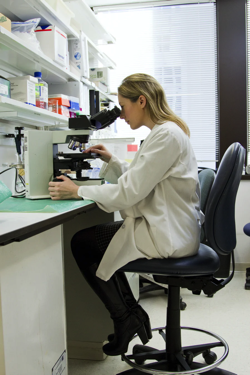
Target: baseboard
{"x": 241, "y": 266}
{"x": 86, "y": 350}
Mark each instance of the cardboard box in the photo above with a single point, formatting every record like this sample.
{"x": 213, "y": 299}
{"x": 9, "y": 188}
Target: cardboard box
{"x": 5, "y": 22}
{"x": 100, "y": 75}
{"x": 53, "y": 43}
{"x": 24, "y": 89}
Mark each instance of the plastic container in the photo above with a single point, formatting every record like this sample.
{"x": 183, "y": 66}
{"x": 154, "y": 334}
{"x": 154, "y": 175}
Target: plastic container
{"x": 41, "y": 91}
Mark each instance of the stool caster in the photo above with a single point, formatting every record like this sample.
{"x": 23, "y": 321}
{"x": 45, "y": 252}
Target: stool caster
{"x": 183, "y": 305}
{"x": 210, "y": 357}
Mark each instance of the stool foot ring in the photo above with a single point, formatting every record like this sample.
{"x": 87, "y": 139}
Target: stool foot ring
{"x": 183, "y": 364}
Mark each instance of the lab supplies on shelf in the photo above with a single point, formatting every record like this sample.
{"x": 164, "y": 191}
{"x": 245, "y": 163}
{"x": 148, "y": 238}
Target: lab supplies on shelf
{"x": 26, "y": 32}
{"x": 41, "y": 91}
{"x": 74, "y": 103}
{"x": 100, "y": 75}
{"x": 60, "y": 104}
{"x": 78, "y": 56}
{"x": 60, "y": 109}
{"x": 28, "y": 57}
{"x": 24, "y": 89}
{"x": 73, "y": 89}
{"x": 53, "y": 43}
{"x": 60, "y": 99}
{"x": 5, "y": 87}
{"x": 5, "y": 22}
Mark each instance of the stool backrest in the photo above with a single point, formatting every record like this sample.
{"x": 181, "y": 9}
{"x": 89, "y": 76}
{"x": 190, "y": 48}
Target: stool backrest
{"x": 206, "y": 179}
{"x": 220, "y": 209}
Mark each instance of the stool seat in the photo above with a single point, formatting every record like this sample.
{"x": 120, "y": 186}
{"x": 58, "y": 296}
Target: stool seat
{"x": 205, "y": 262}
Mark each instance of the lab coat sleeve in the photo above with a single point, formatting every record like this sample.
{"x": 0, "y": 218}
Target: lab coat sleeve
{"x": 113, "y": 170}
{"x": 152, "y": 166}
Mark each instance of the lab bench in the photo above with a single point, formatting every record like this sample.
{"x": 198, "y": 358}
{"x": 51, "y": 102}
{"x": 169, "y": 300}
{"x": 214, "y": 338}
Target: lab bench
{"x": 48, "y": 313}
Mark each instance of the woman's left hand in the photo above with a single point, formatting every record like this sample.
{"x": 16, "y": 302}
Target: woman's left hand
{"x": 65, "y": 189}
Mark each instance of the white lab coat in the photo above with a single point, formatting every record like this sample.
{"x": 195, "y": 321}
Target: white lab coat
{"x": 158, "y": 198}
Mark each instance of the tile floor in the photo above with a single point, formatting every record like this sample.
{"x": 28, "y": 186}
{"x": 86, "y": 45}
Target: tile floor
{"x": 227, "y": 314}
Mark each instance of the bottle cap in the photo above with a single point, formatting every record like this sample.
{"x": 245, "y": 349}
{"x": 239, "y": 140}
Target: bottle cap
{"x": 38, "y": 74}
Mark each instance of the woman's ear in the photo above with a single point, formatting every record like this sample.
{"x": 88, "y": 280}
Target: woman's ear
{"x": 142, "y": 101}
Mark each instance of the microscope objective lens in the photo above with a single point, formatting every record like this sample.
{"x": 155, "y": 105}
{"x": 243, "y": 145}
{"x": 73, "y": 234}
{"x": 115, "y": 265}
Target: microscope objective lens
{"x": 71, "y": 143}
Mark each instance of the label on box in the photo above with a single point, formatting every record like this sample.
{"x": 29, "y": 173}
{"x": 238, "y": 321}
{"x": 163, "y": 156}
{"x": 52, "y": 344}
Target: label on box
{"x": 61, "y": 365}
{"x": 31, "y": 93}
{"x": 43, "y": 93}
{"x": 4, "y": 90}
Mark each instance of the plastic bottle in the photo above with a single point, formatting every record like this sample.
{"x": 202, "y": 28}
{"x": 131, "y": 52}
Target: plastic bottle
{"x": 41, "y": 91}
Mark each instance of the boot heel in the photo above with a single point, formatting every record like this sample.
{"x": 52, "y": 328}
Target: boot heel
{"x": 148, "y": 329}
{"x": 142, "y": 333}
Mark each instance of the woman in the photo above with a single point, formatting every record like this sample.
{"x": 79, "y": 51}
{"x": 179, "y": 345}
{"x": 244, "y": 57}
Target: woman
{"x": 157, "y": 196}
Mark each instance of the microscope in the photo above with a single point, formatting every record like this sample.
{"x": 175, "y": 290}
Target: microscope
{"x": 44, "y": 161}
{"x": 77, "y": 162}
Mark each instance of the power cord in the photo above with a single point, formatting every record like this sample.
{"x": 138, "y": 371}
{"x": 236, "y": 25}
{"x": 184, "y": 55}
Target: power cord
{"x": 20, "y": 194}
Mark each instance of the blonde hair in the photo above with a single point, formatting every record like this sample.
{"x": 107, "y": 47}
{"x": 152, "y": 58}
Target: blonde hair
{"x": 157, "y": 106}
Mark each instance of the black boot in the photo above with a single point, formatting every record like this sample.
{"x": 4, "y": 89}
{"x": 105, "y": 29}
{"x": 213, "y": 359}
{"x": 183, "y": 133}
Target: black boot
{"x": 126, "y": 322}
{"x": 125, "y": 329}
{"x": 132, "y": 304}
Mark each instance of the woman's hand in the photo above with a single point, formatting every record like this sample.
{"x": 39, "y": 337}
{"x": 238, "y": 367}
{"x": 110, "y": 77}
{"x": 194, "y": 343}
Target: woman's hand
{"x": 100, "y": 149}
{"x": 65, "y": 189}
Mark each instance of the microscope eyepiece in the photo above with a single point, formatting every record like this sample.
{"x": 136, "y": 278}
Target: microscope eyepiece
{"x": 105, "y": 118}
{"x": 98, "y": 121}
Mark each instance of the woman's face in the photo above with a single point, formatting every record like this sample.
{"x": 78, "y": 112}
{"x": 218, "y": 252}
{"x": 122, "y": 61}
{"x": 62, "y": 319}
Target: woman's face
{"x": 133, "y": 113}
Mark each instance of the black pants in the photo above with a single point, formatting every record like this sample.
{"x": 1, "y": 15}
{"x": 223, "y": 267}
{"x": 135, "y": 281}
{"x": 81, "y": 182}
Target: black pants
{"x": 89, "y": 245}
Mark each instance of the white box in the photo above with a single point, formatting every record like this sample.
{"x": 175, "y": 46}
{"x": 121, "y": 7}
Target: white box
{"x": 100, "y": 75}
{"x": 78, "y": 56}
{"x": 53, "y": 43}
{"x": 24, "y": 89}
{"x": 76, "y": 89}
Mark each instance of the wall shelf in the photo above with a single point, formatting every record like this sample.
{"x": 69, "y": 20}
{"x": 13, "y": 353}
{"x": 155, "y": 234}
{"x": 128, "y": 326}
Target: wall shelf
{"x": 20, "y": 113}
{"x": 41, "y": 9}
{"x": 95, "y": 52}
{"x": 28, "y": 9}
{"x": 89, "y": 23}
{"x": 20, "y": 56}
{"x": 103, "y": 95}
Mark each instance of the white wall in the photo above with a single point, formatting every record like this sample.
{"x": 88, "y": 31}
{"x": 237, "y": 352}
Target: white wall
{"x": 242, "y": 213}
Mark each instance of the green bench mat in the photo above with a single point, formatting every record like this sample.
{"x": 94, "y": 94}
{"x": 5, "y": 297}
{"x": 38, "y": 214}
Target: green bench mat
{"x": 41, "y": 205}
